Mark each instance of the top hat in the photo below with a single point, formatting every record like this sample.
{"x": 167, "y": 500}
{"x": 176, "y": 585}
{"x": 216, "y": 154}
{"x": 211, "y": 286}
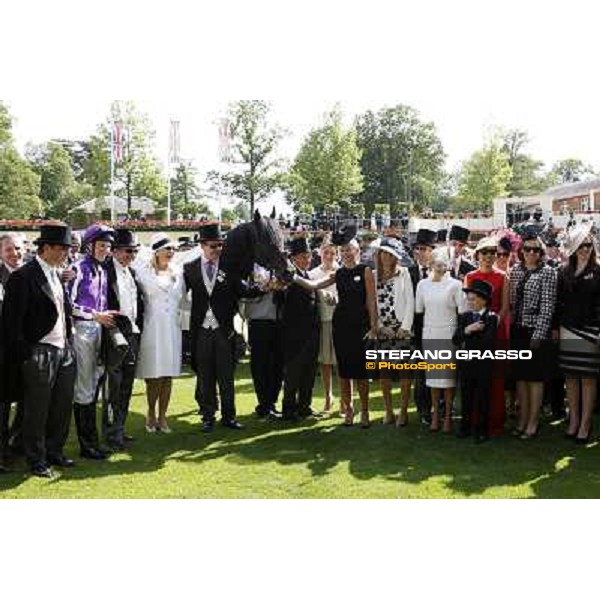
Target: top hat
{"x": 125, "y": 238}
{"x": 425, "y": 237}
{"x": 459, "y": 234}
{"x": 54, "y": 234}
{"x": 210, "y": 232}
{"x": 481, "y": 288}
{"x": 298, "y": 246}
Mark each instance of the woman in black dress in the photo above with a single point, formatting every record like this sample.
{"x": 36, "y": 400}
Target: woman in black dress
{"x": 354, "y": 321}
{"x": 577, "y": 326}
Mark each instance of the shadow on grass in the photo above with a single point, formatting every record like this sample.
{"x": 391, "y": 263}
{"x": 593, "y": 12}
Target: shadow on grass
{"x": 411, "y": 457}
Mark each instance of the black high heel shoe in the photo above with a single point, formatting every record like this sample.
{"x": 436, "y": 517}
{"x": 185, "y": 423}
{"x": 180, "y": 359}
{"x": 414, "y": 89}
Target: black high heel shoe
{"x": 530, "y": 436}
{"x": 584, "y": 440}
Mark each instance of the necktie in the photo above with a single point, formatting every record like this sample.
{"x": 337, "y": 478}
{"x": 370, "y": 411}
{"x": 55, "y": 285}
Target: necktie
{"x": 210, "y": 270}
{"x": 424, "y": 272}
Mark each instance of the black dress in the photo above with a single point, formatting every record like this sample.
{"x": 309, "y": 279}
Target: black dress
{"x": 351, "y": 322}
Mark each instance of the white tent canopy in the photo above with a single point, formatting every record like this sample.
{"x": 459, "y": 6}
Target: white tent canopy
{"x": 96, "y": 205}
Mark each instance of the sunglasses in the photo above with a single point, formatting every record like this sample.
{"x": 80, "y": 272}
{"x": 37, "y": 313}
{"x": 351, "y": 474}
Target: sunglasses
{"x": 131, "y": 251}
{"x": 421, "y": 248}
{"x": 535, "y": 249}
{"x": 502, "y": 254}
{"x": 215, "y": 246}
{"x": 586, "y": 246}
{"x": 487, "y": 252}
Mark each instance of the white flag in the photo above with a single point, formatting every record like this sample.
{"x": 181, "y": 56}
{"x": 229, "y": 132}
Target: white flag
{"x": 174, "y": 143}
{"x": 225, "y": 141}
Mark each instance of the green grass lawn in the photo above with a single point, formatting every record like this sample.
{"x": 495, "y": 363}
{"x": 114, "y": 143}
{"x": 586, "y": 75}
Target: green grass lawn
{"x": 316, "y": 459}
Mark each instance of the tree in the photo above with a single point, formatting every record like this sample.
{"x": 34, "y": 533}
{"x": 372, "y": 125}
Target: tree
{"x": 59, "y": 191}
{"x": 138, "y": 173}
{"x": 526, "y": 178}
{"x": 184, "y": 190}
{"x": 254, "y": 144}
{"x": 327, "y": 167}
{"x": 571, "y": 170}
{"x": 402, "y": 158}
{"x": 483, "y": 177}
{"x": 19, "y": 184}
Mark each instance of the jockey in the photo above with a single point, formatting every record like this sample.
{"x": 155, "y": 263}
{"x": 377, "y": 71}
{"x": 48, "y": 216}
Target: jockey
{"x": 89, "y": 297}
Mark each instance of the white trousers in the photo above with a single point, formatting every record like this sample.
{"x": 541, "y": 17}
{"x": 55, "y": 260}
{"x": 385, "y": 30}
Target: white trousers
{"x": 87, "y": 336}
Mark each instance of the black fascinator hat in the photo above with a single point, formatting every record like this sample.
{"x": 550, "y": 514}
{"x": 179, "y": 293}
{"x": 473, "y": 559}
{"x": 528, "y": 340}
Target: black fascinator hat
{"x": 344, "y": 235}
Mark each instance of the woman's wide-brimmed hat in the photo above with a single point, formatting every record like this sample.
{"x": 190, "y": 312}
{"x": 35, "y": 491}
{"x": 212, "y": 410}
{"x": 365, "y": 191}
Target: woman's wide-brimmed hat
{"x": 575, "y": 237}
{"x": 344, "y": 235}
{"x": 161, "y": 241}
{"x": 395, "y": 248}
{"x": 486, "y": 242}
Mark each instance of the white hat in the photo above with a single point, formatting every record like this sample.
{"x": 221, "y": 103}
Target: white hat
{"x": 160, "y": 241}
{"x": 575, "y": 237}
{"x": 487, "y": 242}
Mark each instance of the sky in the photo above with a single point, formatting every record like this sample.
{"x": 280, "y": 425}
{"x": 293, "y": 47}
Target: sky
{"x": 465, "y": 65}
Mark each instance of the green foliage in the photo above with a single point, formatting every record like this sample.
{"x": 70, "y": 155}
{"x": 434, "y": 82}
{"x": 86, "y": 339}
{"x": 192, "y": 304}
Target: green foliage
{"x": 254, "y": 143}
{"x": 402, "y": 158}
{"x": 58, "y": 189}
{"x": 571, "y": 170}
{"x": 526, "y": 177}
{"x": 327, "y": 167}
{"x": 483, "y": 177}
{"x": 19, "y": 184}
{"x": 184, "y": 190}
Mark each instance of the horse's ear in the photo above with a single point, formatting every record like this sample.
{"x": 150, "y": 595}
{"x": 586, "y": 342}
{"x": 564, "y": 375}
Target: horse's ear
{"x": 273, "y": 213}
{"x": 257, "y": 216}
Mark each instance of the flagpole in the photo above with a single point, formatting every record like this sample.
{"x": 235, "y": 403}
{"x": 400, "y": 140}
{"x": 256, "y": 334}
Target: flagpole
{"x": 112, "y": 172}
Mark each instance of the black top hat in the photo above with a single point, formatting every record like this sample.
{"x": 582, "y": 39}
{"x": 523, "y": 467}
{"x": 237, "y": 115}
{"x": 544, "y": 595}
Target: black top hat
{"x": 210, "y": 233}
{"x": 54, "y": 234}
{"x": 125, "y": 238}
{"x": 298, "y": 246}
{"x": 425, "y": 237}
{"x": 459, "y": 234}
{"x": 481, "y": 288}
{"x": 442, "y": 234}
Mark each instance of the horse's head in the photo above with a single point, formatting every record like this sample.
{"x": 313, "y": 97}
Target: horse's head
{"x": 259, "y": 241}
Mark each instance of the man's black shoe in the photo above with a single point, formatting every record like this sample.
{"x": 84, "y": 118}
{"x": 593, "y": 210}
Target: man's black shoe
{"x": 275, "y": 411}
{"x": 208, "y": 426}
{"x": 93, "y": 454}
{"x": 232, "y": 424}
{"x": 116, "y": 446}
{"x": 42, "y": 471}
{"x": 61, "y": 461}
{"x": 290, "y": 417}
{"x": 309, "y": 414}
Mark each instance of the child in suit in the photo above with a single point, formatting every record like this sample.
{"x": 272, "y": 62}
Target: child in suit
{"x": 476, "y": 331}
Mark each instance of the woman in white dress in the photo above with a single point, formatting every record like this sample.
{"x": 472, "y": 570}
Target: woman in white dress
{"x": 327, "y": 299}
{"x": 160, "y": 346}
{"x": 440, "y": 299}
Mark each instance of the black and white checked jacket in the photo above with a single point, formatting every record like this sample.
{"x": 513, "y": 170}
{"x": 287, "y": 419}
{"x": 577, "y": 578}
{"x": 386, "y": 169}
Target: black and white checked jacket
{"x": 536, "y": 307}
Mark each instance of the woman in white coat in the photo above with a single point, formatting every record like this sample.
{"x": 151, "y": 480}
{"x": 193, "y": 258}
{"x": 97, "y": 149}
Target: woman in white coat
{"x": 395, "y": 309}
{"x": 440, "y": 299}
{"x": 160, "y": 347}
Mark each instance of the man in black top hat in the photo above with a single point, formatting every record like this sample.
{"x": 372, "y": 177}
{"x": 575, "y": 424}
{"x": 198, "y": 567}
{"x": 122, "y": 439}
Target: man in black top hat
{"x": 125, "y": 296}
{"x": 422, "y": 249}
{"x": 215, "y": 297}
{"x": 459, "y": 237}
{"x": 300, "y": 338}
{"x": 36, "y": 323}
